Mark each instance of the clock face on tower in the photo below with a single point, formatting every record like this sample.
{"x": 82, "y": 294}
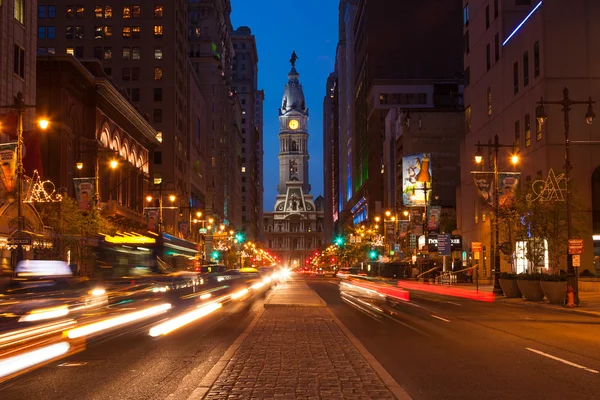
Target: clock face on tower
{"x": 293, "y": 124}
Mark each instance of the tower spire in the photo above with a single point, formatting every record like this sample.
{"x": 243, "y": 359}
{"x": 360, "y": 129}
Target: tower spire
{"x": 294, "y": 58}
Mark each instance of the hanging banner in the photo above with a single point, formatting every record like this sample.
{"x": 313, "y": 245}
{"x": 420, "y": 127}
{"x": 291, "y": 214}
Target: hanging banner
{"x": 152, "y": 220}
{"x": 8, "y": 166}
{"x": 390, "y": 231}
{"x": 403, "y": 227}
{"x": 416, "y": 176}
{"x": 85, "y": 192}
{"x": 484, "y": 181}
{"x": 433, "y": 218}
{"x": 508, "y": 182}
{"x": 184, "y": 229}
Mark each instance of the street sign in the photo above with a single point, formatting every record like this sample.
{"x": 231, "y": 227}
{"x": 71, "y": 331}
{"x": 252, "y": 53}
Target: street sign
{"x": 576, "y": 260}
{"x": 444, "y": 245}
{"x": 506, "y": 248}
{"x": 202, "y": 230}
{"x": 445, "y": 278}
{"x": 22, "y": 241}
{"x": 476, "y": 247}
{"x": 575, "y": 246}
{"x": 396, "y": 247}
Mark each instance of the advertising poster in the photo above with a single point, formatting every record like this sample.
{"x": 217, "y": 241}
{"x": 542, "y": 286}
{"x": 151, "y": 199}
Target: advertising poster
{"x": 85, "y": 192}
{"x": 416, "y": 175}
{"x": 433, "y": 218}
{"x": 484, "y": 181}
{"x": 8, "y": 164}
{"x": 184, "y": 229}
{"x": 508, "y": 183}
{"x": 152, "y": 220}
{"x": 403, "y": 227}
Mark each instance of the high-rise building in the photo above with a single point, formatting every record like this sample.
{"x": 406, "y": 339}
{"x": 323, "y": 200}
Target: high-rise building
{"x": 18, "y": 23}
{"x": 294, "y": 230}
{"x": 143, "y": 49}
{"x": 414, "y": 53}
{"x": 259, "y": 99}
{"x": 515, "y": 53}
{"x": 211, "y": 53}
{"x": 245, "y": 84}
{"x": 331, "y": 163}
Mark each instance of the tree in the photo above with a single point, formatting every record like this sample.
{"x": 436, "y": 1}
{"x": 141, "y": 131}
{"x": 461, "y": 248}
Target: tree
{"x": 73, "y": 231}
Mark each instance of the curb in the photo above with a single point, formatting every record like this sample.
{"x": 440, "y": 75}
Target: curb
{"x": 393, "y": 386}
{"x": 545, "y": 307}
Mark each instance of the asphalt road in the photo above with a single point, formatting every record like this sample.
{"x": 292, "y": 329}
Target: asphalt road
{"x": 438, "y": 347}
{"x": 132, "y": 365}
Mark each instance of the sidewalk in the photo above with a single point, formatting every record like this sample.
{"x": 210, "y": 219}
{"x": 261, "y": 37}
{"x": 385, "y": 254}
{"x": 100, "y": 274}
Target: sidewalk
{"x": 297, "y": 351}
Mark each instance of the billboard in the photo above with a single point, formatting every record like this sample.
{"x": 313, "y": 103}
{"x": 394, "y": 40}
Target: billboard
{"x": 416, "y": 176}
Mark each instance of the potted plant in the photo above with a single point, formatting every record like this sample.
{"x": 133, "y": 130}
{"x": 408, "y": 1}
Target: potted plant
{"x": 509, "y": 285}
{"x": 554, "y": 287}
{"x": 530, "y": 286}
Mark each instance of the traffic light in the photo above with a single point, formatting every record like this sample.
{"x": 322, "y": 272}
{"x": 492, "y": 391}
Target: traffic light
{"x": 215, "y": 255}
{"x": 373, "y": 254}
{"x": 339, "y": 241}
{"x": 240, "y": 237}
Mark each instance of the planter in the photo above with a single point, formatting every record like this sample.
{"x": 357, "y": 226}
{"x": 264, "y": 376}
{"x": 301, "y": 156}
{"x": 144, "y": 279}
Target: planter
{"x": 510, "y": 287}
{"x": 555, "y": 291}
{"x": 531, "y": 289}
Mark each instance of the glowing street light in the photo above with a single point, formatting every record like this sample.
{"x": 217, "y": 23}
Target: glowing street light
{"x": 114, "y": 164}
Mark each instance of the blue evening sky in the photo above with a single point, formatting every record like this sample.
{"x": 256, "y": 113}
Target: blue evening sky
{"x": 310, "y": 28}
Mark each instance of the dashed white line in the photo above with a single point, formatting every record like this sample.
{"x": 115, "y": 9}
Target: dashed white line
{"x": 451, "y": 302}
{"x": 562, "y": 360}
{"x": 440, "y": 318}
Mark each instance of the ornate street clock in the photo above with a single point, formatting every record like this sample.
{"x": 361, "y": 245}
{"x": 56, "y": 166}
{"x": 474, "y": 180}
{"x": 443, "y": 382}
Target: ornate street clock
{"x": 293, "y": 124}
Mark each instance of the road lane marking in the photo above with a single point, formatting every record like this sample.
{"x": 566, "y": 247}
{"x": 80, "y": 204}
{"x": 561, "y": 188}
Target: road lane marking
{"x": 451, "y": 302}
{"x": 440, "y": 318}
{"x": 562, "y": 360}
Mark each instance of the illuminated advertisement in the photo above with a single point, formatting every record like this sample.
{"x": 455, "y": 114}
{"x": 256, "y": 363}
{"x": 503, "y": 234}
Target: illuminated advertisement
{"x": 416, "y": 179}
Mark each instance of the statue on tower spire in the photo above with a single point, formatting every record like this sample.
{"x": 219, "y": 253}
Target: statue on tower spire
{"x": 294, "y": 58}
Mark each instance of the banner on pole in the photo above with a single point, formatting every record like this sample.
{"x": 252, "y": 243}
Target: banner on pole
{"x": 85, "y": 192}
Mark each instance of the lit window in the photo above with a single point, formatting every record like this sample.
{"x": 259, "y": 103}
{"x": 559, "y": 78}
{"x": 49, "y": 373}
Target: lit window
{"x": 51, "y": 32}
{"x": 99, "y": 11}
{"x": 158, "y": 31}
{"x": 51, "y": 11}
{"x": 159, "y": 136}
{"x": 158, "y": 10}
{"x": 51, "y": 50}
{"x": 70, "y": 12}
{"x": 19, "y": 11}
{"x": 527, "y": 130}
{"x": 135, "y": 53}
{"x": 136, "y": 11}
{"x": 135, "y": 32}
{"x": 70, "y": 51}
{"x": 126, "y": 53}
{"x": 107, "y": 53}
{"x": 538, "y": 130}
{"x": 158, "y": 73}
{"x": 107, "y": 11}
{"x": 489, "y": 101}
{"x": 126, "y": 32}
{"x": 97, "y": 32}
{"x": 158, "y": 53}
{"x": 107, "y": 31}
{"x": 41, "y": 32}
{"x": 80, "y": 11}
{"x": 42, "y": 11}
{"x": 79, "y": 32}
{"x": 243, "y": 169}
{"x": 126, "y": 11}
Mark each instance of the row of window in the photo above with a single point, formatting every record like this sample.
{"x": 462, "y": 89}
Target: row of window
{"x": 100, "y": 32}
{"x": 536, "y": 67}
{"x": 100, "y": 11}
{"x": 134, "y": 94}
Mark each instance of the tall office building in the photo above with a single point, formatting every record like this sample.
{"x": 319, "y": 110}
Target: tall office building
{"x": 414, "y": 53}
{"x": 259, "y": 99}
{"x": 142, "y": 48}
{"x": 331, "y": 163}
{"x": 211, "y": 53}
{"x": 18, "y": 23}
{"x": 515, "y": 53}
{"x": 245, "y": 84}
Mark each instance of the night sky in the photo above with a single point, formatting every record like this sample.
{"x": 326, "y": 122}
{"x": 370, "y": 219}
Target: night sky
{"x": 310, "y": 28}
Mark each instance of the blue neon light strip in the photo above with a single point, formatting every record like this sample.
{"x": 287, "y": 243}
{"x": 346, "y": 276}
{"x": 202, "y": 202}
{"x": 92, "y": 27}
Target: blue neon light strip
{"x": 522, "y": 23}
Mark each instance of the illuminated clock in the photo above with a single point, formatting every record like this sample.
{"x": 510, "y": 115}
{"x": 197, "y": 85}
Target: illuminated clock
{"x": 293, "y": 124}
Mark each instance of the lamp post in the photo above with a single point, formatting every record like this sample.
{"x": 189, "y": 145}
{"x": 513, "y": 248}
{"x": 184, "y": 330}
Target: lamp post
{"x": 540, "y": 112}
{"x": 172, "y": 199}
{"x": 20, "y": 107}
{"x": 496, "y": 231}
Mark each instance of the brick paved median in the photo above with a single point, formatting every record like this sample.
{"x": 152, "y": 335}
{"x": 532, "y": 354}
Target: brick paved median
{"x": 297, "y": 353}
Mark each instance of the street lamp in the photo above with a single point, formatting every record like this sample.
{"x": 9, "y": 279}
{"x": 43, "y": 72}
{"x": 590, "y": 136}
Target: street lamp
{"x": 541, "y": 115}
{"x": 496, "y": 231}
{"x": 20, "y": 107}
